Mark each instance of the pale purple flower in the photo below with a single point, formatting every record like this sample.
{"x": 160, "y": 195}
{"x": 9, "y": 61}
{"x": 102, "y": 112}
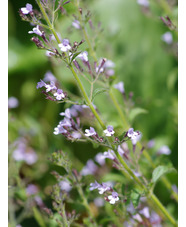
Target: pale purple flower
{"x": 87, "y": 107}
{"x": 90, "y": 132}
{"x": 120, "y": 87}
{"x": 120, "y": 150}
{"x": 94, "y": 186}
{"x": 103, "y": 188}
{"x": 18, "y": 225}
{"x": 59, "y": 94}
{"x": 65, "y": 45}
{"x": 110, "y": 72}
{"x": 83, "y": 56}
{"x": 130, "y": 208}
{"x": 49, "y": 53}
{"x": 164, "y": 150}
{"x": 109, "y": 131}
{"x": 41, "y": 84}
{"x": 59, "y": 129}
{"x": 135, "y": 136}
{"x": 27, "y": 9}
{"x": 109, "y": 154}
{"x": 36, "y": 30}
{"x": 151, "y": 143}
{"x": 65, "y": 122}
{"x": 89, "y": 169}
{"x": 75, "y": 109}
{"x": 52, "y": 37}
{"x": 99, "y": 202}
{"x": 175, "y": 188}
{"x": 65, "y": 186}
{"x": 18, "y": 154}
{"x": 155, "y": 219}
{"x": 13, "y": 102}
{"x": 22, "y": 153}
{"x": 137, "y": 217}
{"x": 143, "y": 2}
{"x": 31, "y": 189}
{"x": 100, "y": 158}
{"x": 38, "y": 200}
{"x": 137, "y": 174}
{"x": 167, "y": 37}
{"x": 51, "y": 86}
{"x": 49, "y": 77}
{"x": 145, "y": 212}
{"x": 30, "y": 157}
{"x": 113, "y": 198}
{"x": 76, "y": 24}
{"x": 108, "y": 65}
{"x": 66, "y": 113}
{"x": 76, "y": 135}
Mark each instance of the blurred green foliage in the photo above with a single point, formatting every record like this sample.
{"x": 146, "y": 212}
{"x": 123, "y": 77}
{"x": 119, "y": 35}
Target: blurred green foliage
{"x": 131, "y": 39}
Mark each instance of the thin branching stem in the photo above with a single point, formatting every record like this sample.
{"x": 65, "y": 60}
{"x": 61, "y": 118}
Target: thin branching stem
{"x": 127, "y": 169}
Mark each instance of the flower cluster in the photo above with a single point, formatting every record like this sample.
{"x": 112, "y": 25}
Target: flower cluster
{"x": 52, "y": 92}
{"x": 70, "y": 125}
{"x": 104, "y": 188}
{"x": 24, "y": 153}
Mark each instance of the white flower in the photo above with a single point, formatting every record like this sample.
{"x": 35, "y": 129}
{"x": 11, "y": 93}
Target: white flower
{"x": 120, "y": 87}
{"x": 109, "y": 131}
{"x": 66, "y": 113}
{"x": 99, "y": 202}
{"x": 50, "y": 86}
{"x": 109, "y": 154}
{"x": 27, "y": 9}
{"x": 59, "y": 129}
{"x": 113, "y": 198}
{"x": 103, "y": 188}
{"x": 76, "y": 24}
{"x": 65, "y": 185}
{"x": 145, "y": 212}
{"x": 135, "y": 136}
{"x": 100, "y": 158}
{"x": 36, "y": 30}
{"x": 120, "y": 150}
{"x": 59, "y": 94}
{"x": 90, "y": 132}
{"x": 94, "y": 186}
{"x": 164, "y": 150}
{"x": 143, "y": 2}
{"x": 13, "y": 102}
{"x": 65, "y": 45}
{"x": 83, "y": 56}
{"x": 167, "y": 37}
{"x": 89, "y": 169}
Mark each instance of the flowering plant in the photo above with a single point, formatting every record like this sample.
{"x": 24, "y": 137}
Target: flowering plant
{"x": 114, "y": 182}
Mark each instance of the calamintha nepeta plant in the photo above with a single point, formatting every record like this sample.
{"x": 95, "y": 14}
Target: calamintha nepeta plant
{"x": 124, "y": 149}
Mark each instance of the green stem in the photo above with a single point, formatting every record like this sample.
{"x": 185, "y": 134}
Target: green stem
{"x": 65, "y": 221}
{"x": 156, "y": 201}
{"x": 127, "y": 126}
{"x": 50, "y": 25}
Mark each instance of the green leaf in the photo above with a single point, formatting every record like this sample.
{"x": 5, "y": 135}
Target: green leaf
{"x": 160, "y": 171}
{"x": 98, "y": 91}
{"x": 135, "y": 197}
{"x": 135, "y": 112}
{"x": 38, "y": 217}
{"x": 74, "y": 56}
{"x": 105, "y": 220}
